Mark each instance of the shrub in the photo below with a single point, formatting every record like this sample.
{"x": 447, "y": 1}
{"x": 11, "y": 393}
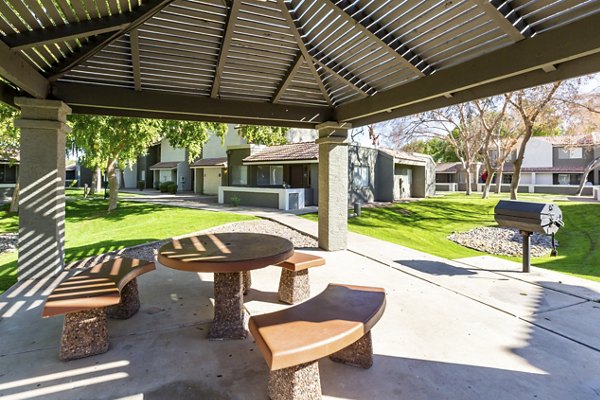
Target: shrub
{"x": 164, "y": 186}
{"x": 235, "y": 201}
{"x": 172, "y": 188}
{"x": 141, "y": 185}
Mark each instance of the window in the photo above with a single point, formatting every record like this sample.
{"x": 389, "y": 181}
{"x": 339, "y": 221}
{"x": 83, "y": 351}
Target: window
{"x": 268, "y": 175}
{"x": 8, "y": 173}
{"x": 570, "y": 153}
{"x": 507, "y": 178}
{"x": 360, "y": 177}
{"x": 239, "y": 175}
{"x": 567, "y": 179}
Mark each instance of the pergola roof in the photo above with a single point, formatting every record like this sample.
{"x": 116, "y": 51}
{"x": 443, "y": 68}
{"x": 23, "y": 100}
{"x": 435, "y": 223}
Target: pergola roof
{"x": 289, "y": 62}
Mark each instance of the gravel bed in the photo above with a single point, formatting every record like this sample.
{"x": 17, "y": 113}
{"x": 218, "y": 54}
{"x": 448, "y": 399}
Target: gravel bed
{"x": 502, "y": 241}
{"x": 147, "y": 251}
{"x": 8, "y": 242}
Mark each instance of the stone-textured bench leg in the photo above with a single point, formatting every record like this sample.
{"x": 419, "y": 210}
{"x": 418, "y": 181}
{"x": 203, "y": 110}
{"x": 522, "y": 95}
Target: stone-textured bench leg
{"x": 358, "y": 354}
{"x": 300, "y": 382}
{"x": 129, "y": 305}
{"x": 84, "y": 334}
{"x": 231, "y": 320}
{"x": 247, "y": 277}
{"x": 293, "y": 286}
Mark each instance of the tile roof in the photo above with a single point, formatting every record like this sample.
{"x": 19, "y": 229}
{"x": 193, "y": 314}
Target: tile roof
{"x": 166, "y": 165}
{"x": 308, "y": 151}
{"x": 405, "y": 155}
{"x": 210, "y": 162}
{"x": 447, "y": 168}
{"x": 584, "y": 139}
{"x": 573, "y": 169}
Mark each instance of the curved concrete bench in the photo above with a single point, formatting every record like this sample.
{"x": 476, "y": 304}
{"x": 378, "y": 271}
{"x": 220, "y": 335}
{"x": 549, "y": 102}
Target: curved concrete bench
{"x": 294, "y": 286}
{"x": 335, "y": 323}
{"x": 109, "y": 288}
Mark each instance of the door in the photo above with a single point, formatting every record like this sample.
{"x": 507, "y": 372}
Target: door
{"x": 212, "y": 180}
{"x": 297, "y": 176}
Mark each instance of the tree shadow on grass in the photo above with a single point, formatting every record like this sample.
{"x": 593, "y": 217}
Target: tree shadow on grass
{"x": 86, "y": 210}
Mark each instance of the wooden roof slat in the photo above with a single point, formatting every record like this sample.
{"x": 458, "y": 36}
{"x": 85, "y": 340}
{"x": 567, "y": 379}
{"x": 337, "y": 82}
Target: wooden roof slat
{"x": 225, "y": 44}
{"x": 79, "y": 10}
{"x": 506, "y": 17}
{"x": 52, "y": 9}
{"x": 41, "y": 14}
{"x": 25, "y": 14}
{"x": 11, "y": 17}
{"x": 137, "y": 17}
{"x": 67, "y": 10}
{"x": 402, "y": 53}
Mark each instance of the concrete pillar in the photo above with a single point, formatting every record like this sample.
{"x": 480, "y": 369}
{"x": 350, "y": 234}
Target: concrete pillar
{"x": 42, "y": 178}
{"x": 333, "y": 185}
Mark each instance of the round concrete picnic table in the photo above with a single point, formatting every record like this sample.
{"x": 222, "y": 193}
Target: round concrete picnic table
{"x": 227, "y": 255}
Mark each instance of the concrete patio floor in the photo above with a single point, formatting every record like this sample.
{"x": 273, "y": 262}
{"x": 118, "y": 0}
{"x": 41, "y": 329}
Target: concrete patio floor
{"x": 468, "y": 329}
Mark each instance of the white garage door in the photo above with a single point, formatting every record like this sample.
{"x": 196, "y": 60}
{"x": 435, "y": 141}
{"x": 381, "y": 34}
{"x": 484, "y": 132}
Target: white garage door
{"x": 212, "y": 180}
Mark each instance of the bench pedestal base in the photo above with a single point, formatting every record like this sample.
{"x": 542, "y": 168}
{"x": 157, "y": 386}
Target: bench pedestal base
{"x": 129, "y": 305}
{"x": 247, "y": 280}
{"x": 358, "y": 354}
{"x": 84, "y": 334}
{"x": 231, "y": 320}
{"x": 300, "y": 382}
{"x": 294, "y": 286}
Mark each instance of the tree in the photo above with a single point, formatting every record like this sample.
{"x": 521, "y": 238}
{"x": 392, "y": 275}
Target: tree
{"x": 112, "y": 141}
{"x": 534, "y": 107}
{"x": 438, "y": 148}
{"x": 266, "y": 135}
{"x": 191, "y": 135}
{"x": 9, "y": 146}
{"x": 490, "y": 113}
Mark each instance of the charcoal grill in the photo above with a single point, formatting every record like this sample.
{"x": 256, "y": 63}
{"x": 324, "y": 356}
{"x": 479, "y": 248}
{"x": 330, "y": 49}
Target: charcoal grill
{"x": 529, "y": 218}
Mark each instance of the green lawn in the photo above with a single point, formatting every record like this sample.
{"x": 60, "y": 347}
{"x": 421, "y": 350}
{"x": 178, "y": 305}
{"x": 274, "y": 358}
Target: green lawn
{"x": 90, "y": 230}
{"x": 424, "y": 225}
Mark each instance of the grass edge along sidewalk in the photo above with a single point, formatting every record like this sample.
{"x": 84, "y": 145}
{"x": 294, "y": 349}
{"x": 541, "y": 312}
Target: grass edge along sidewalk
{"x": 90, "y": 230}
{"x": 425, "y": 224}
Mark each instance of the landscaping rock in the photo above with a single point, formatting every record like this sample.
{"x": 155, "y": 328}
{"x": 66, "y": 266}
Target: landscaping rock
{"x": 8, "y": 242}
{"x": 146, "y": 252}
{"x": 502, "y": 241}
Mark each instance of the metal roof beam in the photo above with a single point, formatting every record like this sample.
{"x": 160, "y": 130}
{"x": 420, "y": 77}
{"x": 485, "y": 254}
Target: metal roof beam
{"x": 566, "y": 43}
{"x": 400, "y": 51}
{"x": 341, "y": 72}
{"x": 234, "y": 10}
{"x": 16, "y": 70}
{"x": 137, "y": 18}
{"x": 52, "y": 34}
{"x": 287, "y": 79}
{"x": 507, "y": 18}
{"x": 134, "y": 45}
{"x": 304, "y": 50}
{"x": 570, "y": 69}
{"x": 164, "y": 105}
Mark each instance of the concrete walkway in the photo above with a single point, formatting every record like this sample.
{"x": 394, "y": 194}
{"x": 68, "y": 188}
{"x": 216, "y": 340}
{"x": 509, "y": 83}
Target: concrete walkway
{"x": 466, "y": 329}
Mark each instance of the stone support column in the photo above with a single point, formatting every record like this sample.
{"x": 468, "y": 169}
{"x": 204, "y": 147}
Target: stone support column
{"x": 333, "y": 185}
{"x": 42, "y": 180}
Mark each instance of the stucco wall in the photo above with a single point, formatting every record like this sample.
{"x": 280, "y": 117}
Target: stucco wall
{"x": 213, "y": 148}
{"x": 543, "y": 178}
{"x": 169, "y": 153}
{"x": 130, "y": 175}
{"x": 587, "y": 154}
{"x": 538, "y": 153}
{"x": 385, "y": 178}
{"x": 361, "y": 157}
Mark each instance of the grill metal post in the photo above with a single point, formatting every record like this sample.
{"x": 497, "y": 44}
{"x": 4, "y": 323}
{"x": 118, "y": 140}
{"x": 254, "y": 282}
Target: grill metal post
{"x": 526, "y": 250}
